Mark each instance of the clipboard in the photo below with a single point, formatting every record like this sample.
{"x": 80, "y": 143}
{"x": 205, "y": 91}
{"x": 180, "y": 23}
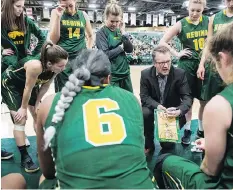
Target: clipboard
{"x": 167, "y": 128}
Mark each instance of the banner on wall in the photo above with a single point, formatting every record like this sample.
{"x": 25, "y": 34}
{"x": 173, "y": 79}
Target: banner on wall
{"x": 148, "y": 18}
{"x": 99, "y": 17}
{"x": 29, "y": 11}
{"x": 161, "y": 19}
{"x": 173, "y": 21}
{"x": 141, "y": 22}
{"x": 126, "y": 18}
{"x": 133, "y": 19}
{"x": 91, "y": 15}
{"x": 155, "y": 20}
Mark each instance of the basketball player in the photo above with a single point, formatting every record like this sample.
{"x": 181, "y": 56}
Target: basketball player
{"x": 16, "y": 30}
{"x": 95, "y": 141}
{"x": 192, "y": 32}
{"x": 68, "y": 28}
{"x": 112, "y": 40}
{"x": 23, "y": 85}
{"x": 216, "y": 171}
{"x": 213, "y": 84}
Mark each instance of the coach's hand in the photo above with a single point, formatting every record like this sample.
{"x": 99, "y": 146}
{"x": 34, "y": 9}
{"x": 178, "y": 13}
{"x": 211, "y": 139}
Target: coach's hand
{"x": 173, "y": 112}
{"x": 201, "y": 72}
{"x": 160, "y": 107}
{"x": 20, "y": 114}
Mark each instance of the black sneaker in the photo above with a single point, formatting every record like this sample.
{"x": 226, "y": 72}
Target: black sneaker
{"x": 29, "y": 165}
{"x": 6, "y": 155}
{"x": 200, "y": 134}
{"x": 186, "y": 138}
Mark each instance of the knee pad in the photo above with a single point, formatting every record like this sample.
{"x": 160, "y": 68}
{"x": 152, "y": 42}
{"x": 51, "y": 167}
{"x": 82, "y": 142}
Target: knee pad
{"x": 19, "y": 128}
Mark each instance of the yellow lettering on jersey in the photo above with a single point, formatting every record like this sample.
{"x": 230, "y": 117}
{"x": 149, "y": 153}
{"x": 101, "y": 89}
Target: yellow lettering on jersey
{"x": 68, "y": 23}
{"x": 197, "y": 34}
{"x": 18, "y": 42}
{"x": 71, "y": 23}
{"x": 218, "y": 26}
{"x": 78, "y": 23}
{"x": 64, "y": 22}
{"x": 94, "y": 122}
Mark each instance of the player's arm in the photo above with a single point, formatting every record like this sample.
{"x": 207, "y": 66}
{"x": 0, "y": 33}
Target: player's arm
{"x": 43, "y": 89}
{"x": 216, "y": 121}
{"x": 33, "y": 70}
{"x": 210, "y": 34}
{"x": 102, "y": 44}
{"x": 89, "y": 31}
{"x": 45, "y": 158}
{"x": 39, "y": 35}
{"x": 54, "y": 33}
{"x": 169, "y": 35}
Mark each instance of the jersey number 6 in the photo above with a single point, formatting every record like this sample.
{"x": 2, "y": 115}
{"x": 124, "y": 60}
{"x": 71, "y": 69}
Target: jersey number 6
{"x": 94, "y": 122}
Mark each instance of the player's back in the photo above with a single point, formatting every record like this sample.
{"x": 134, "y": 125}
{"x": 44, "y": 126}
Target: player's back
{"x": 100, "y": 142}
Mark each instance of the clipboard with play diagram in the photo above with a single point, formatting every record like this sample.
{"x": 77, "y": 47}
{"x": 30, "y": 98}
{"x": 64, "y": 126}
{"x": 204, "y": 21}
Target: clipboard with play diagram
{"x": 167, "y": 128}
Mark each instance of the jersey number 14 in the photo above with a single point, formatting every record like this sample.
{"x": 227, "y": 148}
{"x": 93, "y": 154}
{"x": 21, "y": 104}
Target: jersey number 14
{"x": 76, "y": 33}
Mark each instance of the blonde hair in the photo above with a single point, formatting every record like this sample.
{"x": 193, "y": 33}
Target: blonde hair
{"x": 113, "y": 8}
{"x": 222, "y": 41}
{"x": 203, "y": 2}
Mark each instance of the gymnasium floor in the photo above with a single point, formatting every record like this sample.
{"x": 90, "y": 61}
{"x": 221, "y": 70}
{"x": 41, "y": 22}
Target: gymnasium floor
{"x": 32, "y": 179}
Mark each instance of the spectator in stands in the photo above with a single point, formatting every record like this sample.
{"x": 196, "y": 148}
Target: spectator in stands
{"x": 163, "y": 87}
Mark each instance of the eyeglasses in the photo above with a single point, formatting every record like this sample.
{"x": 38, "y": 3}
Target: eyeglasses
{"x": 164, "y": 62}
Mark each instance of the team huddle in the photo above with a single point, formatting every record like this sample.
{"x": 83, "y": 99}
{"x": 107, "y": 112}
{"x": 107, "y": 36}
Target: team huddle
{"x": 94, "y": 133}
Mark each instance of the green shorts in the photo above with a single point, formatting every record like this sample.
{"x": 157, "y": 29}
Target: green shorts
{"x": 63, "y": 77}
{"x": 48, "y": 184}
{"x": 12, "y": 94}
{"x": 180, "y": 173}
{"x": 213, "y": 84}
{"x": 124, "y": 83}
{"x": 12, "y": 89}
{"x": 191, "y": 67}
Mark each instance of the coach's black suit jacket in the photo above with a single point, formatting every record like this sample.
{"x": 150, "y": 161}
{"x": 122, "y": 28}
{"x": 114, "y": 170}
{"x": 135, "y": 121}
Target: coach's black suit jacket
{"x": 176, "y": 93}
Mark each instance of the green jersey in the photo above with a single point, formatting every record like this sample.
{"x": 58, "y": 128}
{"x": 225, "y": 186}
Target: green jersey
{"x": 17, "y": 37}
{"x": 72, "y": 32}
{"x": 227, "y": 173}
{"x": 16, "y": 74}
{"x": 101, "y": 139}
{"x": 120, "y": 64}
{"x": 221, "y": 19}
{"x": 193, "y": 36}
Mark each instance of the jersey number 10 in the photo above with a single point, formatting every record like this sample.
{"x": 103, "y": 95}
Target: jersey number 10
{"x": 76, "y": 33}
{"x": 199, "y": 44}
{"x": 94, "y": 121}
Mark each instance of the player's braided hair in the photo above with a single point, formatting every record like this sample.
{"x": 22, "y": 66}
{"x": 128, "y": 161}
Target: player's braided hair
{"x": 90, "y": 68}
